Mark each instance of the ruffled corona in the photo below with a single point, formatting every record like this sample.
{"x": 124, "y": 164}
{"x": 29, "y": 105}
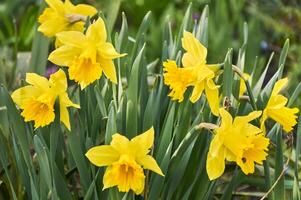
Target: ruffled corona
{"x": 125, "y": 160}
{"x": 37, "y": 99}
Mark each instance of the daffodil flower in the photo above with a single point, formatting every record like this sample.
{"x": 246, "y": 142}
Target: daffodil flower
{"x": 195, "y": 72}
{"x": 37, "y": 99}
{"x": 125, "y": 160}
{"x": 86, "y": 55}
{"x": 237, "y": 141}
{"x": 277, "y": 110}
{"x": 65, "y": 16}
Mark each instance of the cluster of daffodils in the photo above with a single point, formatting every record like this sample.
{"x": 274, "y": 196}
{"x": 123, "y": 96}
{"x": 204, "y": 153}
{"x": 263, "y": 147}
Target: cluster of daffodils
{"x": 235, "y": 140}
{"x": 87, "y": 54}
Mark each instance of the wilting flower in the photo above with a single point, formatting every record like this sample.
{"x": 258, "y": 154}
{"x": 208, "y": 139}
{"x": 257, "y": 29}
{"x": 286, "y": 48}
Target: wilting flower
{"x": 86, "y": 55}
{"x": 37, "y": 99}
{"x": 277, "y": 110}
{"x": 125, "y": 160}
{"x": 237, "y": 141}
{"x": 65, "y": 16}
{"x": 195, "y": 73}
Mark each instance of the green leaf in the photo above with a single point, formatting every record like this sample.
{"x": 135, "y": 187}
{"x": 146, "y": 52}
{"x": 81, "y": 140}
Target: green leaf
{"x": 228, "y": 75}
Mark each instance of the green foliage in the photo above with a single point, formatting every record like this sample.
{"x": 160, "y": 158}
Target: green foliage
{"x": 50, "y": 162}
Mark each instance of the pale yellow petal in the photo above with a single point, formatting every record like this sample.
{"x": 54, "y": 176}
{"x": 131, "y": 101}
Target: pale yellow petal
{"x": 120, "y": 143}
{"x": 58, "y": 82}
{"x": 97, "y": 31}
{"x": 141, "y": 144}
{"x": 212, "y": 97}
{"x": 52, "y": 26}
{"x": 107, "y": 51}
{"x": 108, "y": 68}
{"x": 23, "y": 94}
{"x": 279, "y": 85}
{"x": 102, "y": 155}
{"x": 148, "y": 162}
{"x": 215, "y": 164}
{"x": 85, "y": 10}
{"x": 37, "y": 81}
{"x": 72, "y": 38}
{"x": 226, "y": 118}
{"x": 64, "y": 115}
{"x": 57, "y": 5}
{"x": 239, "y": 120}
{"x": 64, "y": 55}
{"x": 196, "y": 52}
{"x": 197, "y": 92}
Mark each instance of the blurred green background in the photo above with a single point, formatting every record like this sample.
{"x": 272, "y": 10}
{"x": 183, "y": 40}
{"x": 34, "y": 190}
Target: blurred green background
{"x": 270, "y": 23}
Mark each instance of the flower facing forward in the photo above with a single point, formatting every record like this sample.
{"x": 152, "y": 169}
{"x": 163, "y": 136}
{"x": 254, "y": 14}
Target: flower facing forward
{"x": 65, "y": 16}
{"x": 237, "y": 141}
{"x": 37, "y": 99}
{"x": 195, "y": 73}
{"x": 125, "y": 160}
{"x": 86, "y": 55}
{"x": 277, "y": 110}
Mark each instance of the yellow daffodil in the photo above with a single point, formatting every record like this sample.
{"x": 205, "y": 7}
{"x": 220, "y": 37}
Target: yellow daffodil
{"x": 242, "y": 84}
{"x": 125, "y": 160}
{"x": 86, "y": 55}
{"x": 238, "y": 141}
{"x": 64, "y": 16}
{"x": 37, "y": 99}
{"x": 195, "y": 73}
{"x": 277, "y": 110}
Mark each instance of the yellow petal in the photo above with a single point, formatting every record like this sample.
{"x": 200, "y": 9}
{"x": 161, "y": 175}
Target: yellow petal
{"x": 279, "y": 85}
{"x": 64, "y": 115}
{"x": 226, "y": 118}
{"x": 57, "y": 5}
{"x": 64, "y": 55}
{"x": 197, "y": 92}
{"x": 58, "y": 81}
{"x": 97, "y": 31}
{"x": 107, "y": 51}
{"x": 72, "y": 38}
{"x": 23, "y": 94}
{"x": 196, "y": 52}
{"x": 109, "y": 70}
{"x": 102, "y": 155}
{"x": 37, "y": 81}
{"x": 120, "y": 143}
{"x": 66, "y": 101}
{"x": 148, "y": 162}
{"x": 52, "y": 26}
{"x": 141, "y": 144}
{"x": 239, "y": 120}
{"x": 109, "y": 179}
{"x": 212, "y": 97}
{"x": 85, "y": 10}
{"x": 215, "y": 164}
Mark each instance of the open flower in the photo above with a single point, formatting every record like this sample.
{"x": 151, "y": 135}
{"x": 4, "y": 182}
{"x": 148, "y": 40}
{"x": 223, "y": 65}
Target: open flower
{"x": 277, "y": 110}
{"x": 86, "y": 55}
{"x": 37, "y": 99}
{"x": 195, "y": 73}
{"x": 237, "y": 141}
{"x": 65, "y": 16}
{"x": 125, "y": 160}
